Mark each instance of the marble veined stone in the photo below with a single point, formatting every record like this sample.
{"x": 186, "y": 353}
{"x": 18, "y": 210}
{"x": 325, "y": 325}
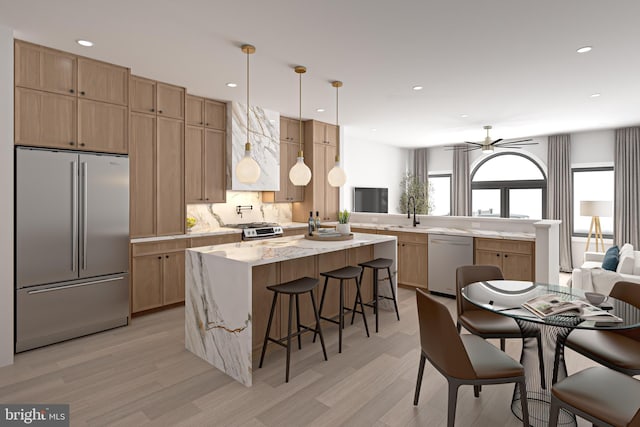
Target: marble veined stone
{"x": 264, "y": 135}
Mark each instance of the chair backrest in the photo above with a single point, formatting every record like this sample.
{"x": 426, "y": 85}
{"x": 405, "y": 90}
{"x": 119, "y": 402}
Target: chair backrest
{"x": 473, "y": 273}
{"x": 628, "y": 292}
{"x": 439, "y": 338}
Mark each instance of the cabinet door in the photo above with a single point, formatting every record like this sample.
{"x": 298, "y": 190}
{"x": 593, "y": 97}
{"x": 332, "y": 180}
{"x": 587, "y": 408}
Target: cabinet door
{"x": 170, "y": 164}
{"x": 517, "y": 266}
{"x": 215, "y": 186}
{"x": 195, "y": 110}
{"x": 173, "y": 278}
{"x": 215, "y": 114}
{"x": 331, "y": 135}
{"x": 142, "y": 175}
{"x": 143, "y": 95}
{"x": 170, "y": 100}
{"x": 146, "y": 272}
{"x": 193, "y": 164}
{"x": 319, "y": 133}
{"x": 290, "y": 130}
{"x": 488, "y": 258}
{"x": 412, "y": 264}
{"x": 103, "y": 82}
{"x": 102, "y": 127}
{"x": 46, "y": 69}
{"x": 45, "y": 119}
{"x": 332, "y": 197}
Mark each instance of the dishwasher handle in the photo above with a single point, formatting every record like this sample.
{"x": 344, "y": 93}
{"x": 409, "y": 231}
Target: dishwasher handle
{"x": 449, "y": 242}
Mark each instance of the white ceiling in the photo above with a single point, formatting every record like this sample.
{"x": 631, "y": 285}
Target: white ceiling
{"x": 509, "y": 63}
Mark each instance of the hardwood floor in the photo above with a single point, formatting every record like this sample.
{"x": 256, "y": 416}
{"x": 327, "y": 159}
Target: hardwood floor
{"x": 141, "y": 375}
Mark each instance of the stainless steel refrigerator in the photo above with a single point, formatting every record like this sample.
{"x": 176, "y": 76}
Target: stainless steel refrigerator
{"x": 72, "y": 245}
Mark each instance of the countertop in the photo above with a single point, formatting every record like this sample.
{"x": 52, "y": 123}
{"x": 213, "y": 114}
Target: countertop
{"x": 490, "y": 234}
{"x": 284, "y": 248}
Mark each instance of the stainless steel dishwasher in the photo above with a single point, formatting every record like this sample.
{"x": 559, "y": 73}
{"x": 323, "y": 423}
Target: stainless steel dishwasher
{"x": 446, "y": 253}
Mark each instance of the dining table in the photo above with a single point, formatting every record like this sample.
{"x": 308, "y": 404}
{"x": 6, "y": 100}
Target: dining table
{"x": 506, "y": 297}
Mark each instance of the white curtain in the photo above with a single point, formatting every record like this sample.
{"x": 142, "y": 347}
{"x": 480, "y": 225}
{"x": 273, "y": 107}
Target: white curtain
{"x": 627, "y": 187}
{"x": 559, "y": 205}
{"x": 461, "y": 200}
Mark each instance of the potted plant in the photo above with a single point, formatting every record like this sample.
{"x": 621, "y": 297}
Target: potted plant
{"x": 343, "y": 226}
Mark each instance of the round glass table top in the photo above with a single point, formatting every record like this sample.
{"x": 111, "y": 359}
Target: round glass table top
{"x": 507, "y": 297}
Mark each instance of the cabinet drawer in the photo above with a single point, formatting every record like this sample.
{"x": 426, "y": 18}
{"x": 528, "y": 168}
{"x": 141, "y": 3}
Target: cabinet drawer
{"x": 413, "y": 237}
{"x": 159, "y": 247}
{"x": 515, "y": 246}
{"x": 364, "y": 230}
{"x": 196, "y": 242}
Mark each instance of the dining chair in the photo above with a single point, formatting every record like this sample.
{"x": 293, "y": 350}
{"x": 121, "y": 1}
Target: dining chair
{"x": 462, "y": 359}
{"x": 618, "y": 350}
{"x": 600, "y": 395}
{"x": 485, "y": 323}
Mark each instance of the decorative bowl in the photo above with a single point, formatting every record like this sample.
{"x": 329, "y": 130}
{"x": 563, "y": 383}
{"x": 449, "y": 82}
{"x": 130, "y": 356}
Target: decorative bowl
{"x": 595, "y": 298}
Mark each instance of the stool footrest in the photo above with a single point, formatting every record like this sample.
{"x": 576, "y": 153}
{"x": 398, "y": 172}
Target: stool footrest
{"x": 282, "y": 341}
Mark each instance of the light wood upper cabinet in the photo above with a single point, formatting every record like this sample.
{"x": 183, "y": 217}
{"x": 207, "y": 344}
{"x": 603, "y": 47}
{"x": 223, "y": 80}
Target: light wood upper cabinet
{"x": 104, "y": 82}
{"x": 170, "y": 100}
{"x": 290, "y": 130}
{"x": 215, "y": 159}
{"x": 325, "y": 133}
{"x": 288, "y": 192}
{"x": 142, "y": 175}
{"x": 143, "y": 95}
{"x": 215, "y": 114}
{"x": 103, "y": 126}
{"x": 45, "y": 119}
{"x": 193, "y": 164}
{"x": 38, "y": 67}
{"x": 195, "y": 110}
{"x": 170, "y": 212}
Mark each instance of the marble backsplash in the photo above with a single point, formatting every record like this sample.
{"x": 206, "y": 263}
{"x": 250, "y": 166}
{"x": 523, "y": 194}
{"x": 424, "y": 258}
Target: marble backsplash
{"x": 215, "y": 215}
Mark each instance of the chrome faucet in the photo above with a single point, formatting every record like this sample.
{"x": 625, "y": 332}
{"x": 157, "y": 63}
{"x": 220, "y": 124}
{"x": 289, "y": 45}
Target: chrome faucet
{"x": 415, "y": 220}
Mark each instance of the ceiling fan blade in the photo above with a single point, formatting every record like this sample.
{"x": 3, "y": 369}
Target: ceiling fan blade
{"x": 515, "y": 142}
{"x": 472, "y": 149}
{"x": 455, "y": 147}
{"x": 496, "y": 141}
{"x": 473, "y": 143}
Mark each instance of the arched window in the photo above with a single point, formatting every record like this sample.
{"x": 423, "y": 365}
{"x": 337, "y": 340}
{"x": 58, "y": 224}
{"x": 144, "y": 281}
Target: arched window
{"x": 509, "y": 185}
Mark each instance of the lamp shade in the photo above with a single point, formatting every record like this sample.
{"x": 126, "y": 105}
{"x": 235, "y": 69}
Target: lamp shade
{"x": 336, "y": 176}
{"x": 300, "y": 174}
{"x": 247, "y": 169}
{"x": 602, "y": 208}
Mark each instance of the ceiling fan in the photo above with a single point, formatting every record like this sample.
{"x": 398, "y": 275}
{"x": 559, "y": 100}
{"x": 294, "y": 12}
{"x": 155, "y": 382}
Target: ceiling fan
{"x": 488, "y": 146}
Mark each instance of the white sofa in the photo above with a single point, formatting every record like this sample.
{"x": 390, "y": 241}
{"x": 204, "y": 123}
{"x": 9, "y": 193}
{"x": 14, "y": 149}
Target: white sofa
{"x": 591, "y": 277}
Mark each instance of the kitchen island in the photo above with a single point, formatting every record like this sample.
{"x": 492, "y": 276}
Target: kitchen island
{"x": 227, "y": 303}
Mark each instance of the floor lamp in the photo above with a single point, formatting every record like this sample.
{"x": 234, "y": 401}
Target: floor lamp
{"x": 595, "y": 209}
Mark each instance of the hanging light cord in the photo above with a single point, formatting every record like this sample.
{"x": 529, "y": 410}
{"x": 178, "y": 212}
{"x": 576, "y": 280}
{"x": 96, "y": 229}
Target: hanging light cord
{"x": 337, "y": 88}
{"x": 300, "y": 118}
{"x": 248, "y": 54}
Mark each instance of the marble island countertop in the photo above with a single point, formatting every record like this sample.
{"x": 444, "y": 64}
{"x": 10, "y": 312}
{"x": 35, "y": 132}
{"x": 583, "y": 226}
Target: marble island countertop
{"x": 284, "y": 248}
{"x": 471, "y": 232}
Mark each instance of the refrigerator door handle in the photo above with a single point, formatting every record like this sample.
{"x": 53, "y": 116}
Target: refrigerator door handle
{"x": 77, "y": 285}
{"x": 74, "y": 215}
{"x": 85, "y": 172}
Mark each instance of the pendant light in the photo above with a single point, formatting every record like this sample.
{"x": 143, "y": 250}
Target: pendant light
{"x": 300, "y": 174}
{"x": 247, "y": 169}
{"x": 336, "y": 176}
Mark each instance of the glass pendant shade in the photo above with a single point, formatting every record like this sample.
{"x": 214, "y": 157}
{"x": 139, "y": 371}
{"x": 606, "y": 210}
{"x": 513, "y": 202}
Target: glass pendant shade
{"x": 300, "y": 174}
{"x": 247, "y": 169}
{"x": 336, "y": 176}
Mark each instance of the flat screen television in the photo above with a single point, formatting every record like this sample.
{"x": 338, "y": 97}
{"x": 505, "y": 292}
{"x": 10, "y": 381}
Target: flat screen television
{"x": 370, "y": 200}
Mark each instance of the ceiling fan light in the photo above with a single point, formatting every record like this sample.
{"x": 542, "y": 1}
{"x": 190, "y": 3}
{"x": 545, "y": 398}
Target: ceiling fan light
{"x": 487, "y": 149}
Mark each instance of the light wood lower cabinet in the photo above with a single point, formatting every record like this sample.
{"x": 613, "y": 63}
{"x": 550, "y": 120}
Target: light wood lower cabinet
{"x": 412, "y": 258}
{"x": 516, "y": 258}
{"x": 157, "y": 272}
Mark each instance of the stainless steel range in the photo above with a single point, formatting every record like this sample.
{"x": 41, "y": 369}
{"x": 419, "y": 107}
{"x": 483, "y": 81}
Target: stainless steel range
{"x": 258, "y": 230}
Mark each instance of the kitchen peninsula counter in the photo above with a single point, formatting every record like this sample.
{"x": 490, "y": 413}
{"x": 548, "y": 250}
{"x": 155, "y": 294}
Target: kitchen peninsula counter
{"x": 226, "y": 298}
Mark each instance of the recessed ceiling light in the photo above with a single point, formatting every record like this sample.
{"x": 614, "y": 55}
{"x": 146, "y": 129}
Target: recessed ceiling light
{"x": 464, "y": 116}
{"x": 230, "y": 84}
{"x": 85, "y": 43}
{"x": 320, "y": 110}
{"x": 595, "y": 95}
{"x": 417, "y": 88}
{"x": 584, "y": 49}
{"x": 374, "y": 130}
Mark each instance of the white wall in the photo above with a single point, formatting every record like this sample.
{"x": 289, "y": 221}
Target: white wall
{"x": 595, "y": 148}
{"x": 6, "y": 196}
{"x": 369, "y": 165}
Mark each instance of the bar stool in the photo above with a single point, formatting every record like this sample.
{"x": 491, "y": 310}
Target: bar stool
{"x": 293, "y": 288}
{"x": 342, "y": 274}
{"x": 377, "y": 265}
